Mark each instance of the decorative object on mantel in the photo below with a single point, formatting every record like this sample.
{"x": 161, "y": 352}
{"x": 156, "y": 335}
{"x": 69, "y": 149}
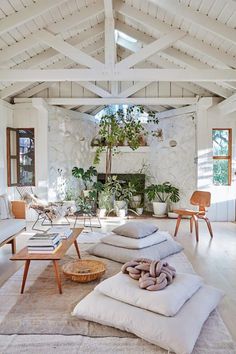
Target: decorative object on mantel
{"x": 84, "y": 270}
{"x": 121, "y": 128}
{"x": 173, "y": 143}
{"x": 160, "y": 195}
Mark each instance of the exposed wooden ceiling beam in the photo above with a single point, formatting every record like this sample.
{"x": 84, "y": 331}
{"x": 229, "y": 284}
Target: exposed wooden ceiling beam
{"x": 160, "y": 44}
{"x": 69, "y": 21}
{"x": 20, "y": 17}
{"x": 162, "y": 27}
{"x": 162, "y": 62}
{"x": 134, "y": 88}
{"x": 94, "y": 88}
{"x": 173, "y": 75}
{"x": 207, "y": 23}
{"x": 228, "y": 105}
{"x": 19, "y": 86}
{"x": 68, "y": 50}
{"x": 106, "y": 101}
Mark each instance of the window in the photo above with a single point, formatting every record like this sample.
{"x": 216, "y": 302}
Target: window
{"x": 222, "y": 146}
{"x": 143, "y": 117}
{"x": 20, "y": 157}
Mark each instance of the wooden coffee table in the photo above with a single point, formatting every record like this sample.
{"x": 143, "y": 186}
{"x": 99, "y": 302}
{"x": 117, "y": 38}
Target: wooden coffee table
{"x": 23, "y": 255}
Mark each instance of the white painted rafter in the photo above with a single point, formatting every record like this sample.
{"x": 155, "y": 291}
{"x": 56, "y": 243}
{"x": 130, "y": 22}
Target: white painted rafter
{"x": 19, "y": 86}
{"x": 228, "y": 105}
{"x": 106, "y": 101}
{"x": 160, "y": 44}
{"x": 133, "y": 89}
{"x": 207, "y": 23}
{"x": 20, "y": 17}
{"x": 94, "y": 88}
{"x": 176, "y": 56}
{"x": 68, "y": 50}
{"x": 162, "y": 27}
{"x": 69, "y": 21}
{"x": 194, "y": 75}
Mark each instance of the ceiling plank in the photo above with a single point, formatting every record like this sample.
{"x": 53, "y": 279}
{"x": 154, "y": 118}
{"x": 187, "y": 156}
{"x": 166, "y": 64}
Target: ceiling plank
{"x": 68, "y": 50}
{"x": 207, "y": 23}
{"x": 162, "y": 27}
{"x": 150, "y": 49}
{"x": 133, "y": 89}
{"x": 106, "y": 101}
{"x": 20, "y": 17}
{"x": 228, "y": 105}
{"x": 94, "y": 88}
{"x": 78, "y": 18}
{"x": 194, "y": 75}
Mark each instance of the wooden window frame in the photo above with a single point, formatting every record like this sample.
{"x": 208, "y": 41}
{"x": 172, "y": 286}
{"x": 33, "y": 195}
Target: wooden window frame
{"x": 227, "y": 157}
{"x": 17, "y": 157}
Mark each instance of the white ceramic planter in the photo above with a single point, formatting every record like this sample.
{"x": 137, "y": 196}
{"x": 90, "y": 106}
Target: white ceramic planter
{"x": 159, "y": 208}
{"x": 135, "y": 201}
{"x": 102, "y": 213}
{"x": 120, "y": 207}
{"x": 139, "y": 211}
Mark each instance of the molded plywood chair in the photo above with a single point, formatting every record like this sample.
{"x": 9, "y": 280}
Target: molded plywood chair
{"x": 203, "y": 200}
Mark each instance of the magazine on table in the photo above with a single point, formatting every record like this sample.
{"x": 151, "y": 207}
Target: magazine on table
{"x": 63, "y": 231}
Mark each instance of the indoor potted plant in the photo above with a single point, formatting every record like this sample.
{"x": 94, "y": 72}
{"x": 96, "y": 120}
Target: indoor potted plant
{"x": 85, "y": 177}
{"x": 160, "y": 195}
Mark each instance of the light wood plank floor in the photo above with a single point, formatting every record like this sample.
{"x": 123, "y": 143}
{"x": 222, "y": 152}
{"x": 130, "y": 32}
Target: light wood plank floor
{"x": 214, "y": 260}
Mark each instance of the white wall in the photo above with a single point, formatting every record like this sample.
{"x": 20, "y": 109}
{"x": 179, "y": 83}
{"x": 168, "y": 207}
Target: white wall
{"x": 6, "y": 120}
{"x": 223, "y": 197}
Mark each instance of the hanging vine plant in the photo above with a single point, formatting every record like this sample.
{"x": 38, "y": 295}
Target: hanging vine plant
{"x": 117, "y": 128}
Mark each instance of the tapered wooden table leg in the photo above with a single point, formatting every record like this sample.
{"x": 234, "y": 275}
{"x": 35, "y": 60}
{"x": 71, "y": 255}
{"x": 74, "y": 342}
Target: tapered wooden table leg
{"x": 58, "y": 277}
{"x": 177, "y": 225}
{"x": 77, "y": 248}
{"x": 27, "y": 264}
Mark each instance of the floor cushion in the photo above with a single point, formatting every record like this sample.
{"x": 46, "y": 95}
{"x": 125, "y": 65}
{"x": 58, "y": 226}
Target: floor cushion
{"x": 166, "y": 302}
{"x": 123, "y": 255}
{"x": 10, "y": 227}
{"x": 135, "y": 229}
{"x": 135, "y": 243}
{"x": 178, "y": 334}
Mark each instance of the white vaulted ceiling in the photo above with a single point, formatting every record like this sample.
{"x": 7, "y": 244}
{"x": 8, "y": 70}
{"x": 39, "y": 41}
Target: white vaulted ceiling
{"x": 197, "y": 38}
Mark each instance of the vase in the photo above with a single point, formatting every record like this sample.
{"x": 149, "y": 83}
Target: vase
{"x": 159, "y": 208}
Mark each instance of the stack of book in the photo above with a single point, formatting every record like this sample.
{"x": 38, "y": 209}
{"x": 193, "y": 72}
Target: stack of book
{"x": 63, "y": 231}
{"x": 44, "y": 243}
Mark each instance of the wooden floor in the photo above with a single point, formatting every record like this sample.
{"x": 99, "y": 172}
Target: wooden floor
{"x": 214, "y": 260}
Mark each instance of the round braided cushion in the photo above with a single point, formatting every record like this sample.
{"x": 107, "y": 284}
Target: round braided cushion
{"x": 152, "y": 275}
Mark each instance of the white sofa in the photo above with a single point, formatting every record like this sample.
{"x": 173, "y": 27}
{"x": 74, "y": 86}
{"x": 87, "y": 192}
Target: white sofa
{"x": 11, "y": 227}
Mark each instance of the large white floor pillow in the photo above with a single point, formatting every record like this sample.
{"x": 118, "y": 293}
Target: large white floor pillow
{"x": 166, "y": 302}
{"x": 178, "y": 334}
{"x": 135, "y": 243}
{"x": 123, "y": 255}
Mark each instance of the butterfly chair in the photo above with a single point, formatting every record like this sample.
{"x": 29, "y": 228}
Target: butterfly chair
{"x": 202, "y": 200}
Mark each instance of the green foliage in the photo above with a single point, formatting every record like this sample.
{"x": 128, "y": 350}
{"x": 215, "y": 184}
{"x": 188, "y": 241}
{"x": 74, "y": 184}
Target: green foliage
{"x": 119, "y": 190}
{"x": 221, "y": 172}
{"x": 84, "y": 175}
{"x": 115, "y": 128}
{"x": 163, "y": 192}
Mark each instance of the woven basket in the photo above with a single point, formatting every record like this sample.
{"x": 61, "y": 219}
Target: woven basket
{"x": 84, "y": 270}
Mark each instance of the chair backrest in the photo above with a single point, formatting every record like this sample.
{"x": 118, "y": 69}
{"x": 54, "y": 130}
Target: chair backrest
{"x": 202, "y": 199}
{"x": 24, "y": 190}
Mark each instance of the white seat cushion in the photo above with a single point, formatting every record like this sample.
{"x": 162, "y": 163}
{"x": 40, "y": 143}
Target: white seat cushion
{"x": 10, "y": 227}
{"x": 178, "y": 334}
{"x": 166, "y": 302}
{"x": 135, "y": 243}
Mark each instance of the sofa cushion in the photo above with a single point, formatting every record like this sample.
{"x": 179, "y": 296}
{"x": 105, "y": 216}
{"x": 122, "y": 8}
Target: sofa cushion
{"x": 5, "y": 208}
{"x": 136, "y": 229}
{"x": 10, "y": 227}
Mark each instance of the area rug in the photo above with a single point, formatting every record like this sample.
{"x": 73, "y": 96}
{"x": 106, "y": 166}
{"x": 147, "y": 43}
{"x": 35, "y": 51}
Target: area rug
{"x": 41, "y": 310}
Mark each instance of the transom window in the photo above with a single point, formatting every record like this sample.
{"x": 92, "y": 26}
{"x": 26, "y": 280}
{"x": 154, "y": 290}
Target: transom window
{"x": 222, "y": 156}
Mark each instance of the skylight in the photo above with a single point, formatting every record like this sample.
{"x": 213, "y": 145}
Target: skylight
{"x": 125, "y": 36}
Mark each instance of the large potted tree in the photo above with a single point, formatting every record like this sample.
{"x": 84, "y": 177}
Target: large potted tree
{"x": 160, "y": 195}
{"x": 119, "y": 128}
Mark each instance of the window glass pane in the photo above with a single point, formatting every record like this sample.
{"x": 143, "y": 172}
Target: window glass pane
{"x": 13, "y": 142}
{"x": 26, "y": 157}
{"x": 220, "y": 142}
{"x": 221, "y": 172}
{"x": 13, "y": 171}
